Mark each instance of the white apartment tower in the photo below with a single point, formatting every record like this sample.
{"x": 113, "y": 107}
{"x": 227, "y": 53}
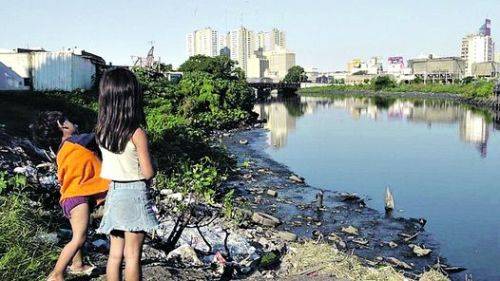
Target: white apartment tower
{"x": 478, "y": 47}
{"x": 242, "y": 43}
{"x": 203, "y": 42}
{"x": 271, "y": 40}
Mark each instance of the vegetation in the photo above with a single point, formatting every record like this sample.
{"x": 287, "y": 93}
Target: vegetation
{"x": 332, "y": 263}
{"x": 295, "y": 74}
{"x": 24, "y": 252}
{"x": 469, "y": 89}
{"x": 180, "y": 115}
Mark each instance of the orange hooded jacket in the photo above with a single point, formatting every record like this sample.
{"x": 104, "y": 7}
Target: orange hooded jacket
{"x": 78, "y": 168}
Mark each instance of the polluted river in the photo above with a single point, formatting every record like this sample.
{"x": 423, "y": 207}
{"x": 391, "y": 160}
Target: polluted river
{"x": 439, "y": 158}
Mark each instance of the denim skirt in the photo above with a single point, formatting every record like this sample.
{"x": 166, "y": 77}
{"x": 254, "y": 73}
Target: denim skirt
{"x": 128, "y": 207}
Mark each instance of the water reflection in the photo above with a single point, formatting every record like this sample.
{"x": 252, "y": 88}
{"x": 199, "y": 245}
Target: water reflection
{"x": 282, "y": 115}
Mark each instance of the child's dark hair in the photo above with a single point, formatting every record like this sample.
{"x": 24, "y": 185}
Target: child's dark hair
{"x": 120, "y": 109}
{"x": 45, "y": 130}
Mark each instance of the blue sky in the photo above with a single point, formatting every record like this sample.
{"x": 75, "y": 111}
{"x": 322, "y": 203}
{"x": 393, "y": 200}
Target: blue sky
{"x": 324, "y": 34}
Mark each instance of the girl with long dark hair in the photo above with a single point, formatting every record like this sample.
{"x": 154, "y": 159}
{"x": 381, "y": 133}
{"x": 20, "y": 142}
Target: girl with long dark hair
{"x": 126, "y": 161}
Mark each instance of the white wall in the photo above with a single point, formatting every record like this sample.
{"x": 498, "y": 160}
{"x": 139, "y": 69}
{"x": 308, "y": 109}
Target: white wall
{"x": 52, "y": 70}
{"x": 10, "y": 80}
{"x": 18, "y": 62}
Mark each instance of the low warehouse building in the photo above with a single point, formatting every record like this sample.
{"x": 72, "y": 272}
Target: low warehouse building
{"x": 445, "y": 69}
{"x": 43, "y": 70}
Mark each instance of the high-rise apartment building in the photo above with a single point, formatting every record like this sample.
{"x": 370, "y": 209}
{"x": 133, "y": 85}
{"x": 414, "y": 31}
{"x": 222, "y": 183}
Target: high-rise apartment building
{"x": 280, "y": 61}
{"x": 258, "y": 54}
{"x": 478, "y": 47}
{"x": 203, "y": 42}
{"x": 241, "y": 45}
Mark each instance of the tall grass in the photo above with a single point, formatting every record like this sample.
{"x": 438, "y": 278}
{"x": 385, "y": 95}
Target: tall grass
{"x": 24, "y": 255}
{"x": 476, "y": 89}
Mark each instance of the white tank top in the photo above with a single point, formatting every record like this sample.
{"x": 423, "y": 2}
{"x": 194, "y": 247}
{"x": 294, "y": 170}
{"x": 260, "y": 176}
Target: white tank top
{"x": 121, "y": 166}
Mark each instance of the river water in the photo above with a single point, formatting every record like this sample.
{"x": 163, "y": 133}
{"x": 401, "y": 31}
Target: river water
{"x": 441, "y": 160}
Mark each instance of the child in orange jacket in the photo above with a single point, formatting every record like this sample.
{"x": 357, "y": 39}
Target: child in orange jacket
{"x": 78, "y": 170}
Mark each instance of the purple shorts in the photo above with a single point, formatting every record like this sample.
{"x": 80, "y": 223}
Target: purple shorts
{"x": 68, "y": 204}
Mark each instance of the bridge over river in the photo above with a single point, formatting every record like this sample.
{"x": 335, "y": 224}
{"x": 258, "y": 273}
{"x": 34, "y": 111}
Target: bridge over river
{"x": 263, "y": 89}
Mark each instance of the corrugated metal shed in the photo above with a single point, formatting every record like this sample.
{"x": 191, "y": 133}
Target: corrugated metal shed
{"x": 62, "y": 70}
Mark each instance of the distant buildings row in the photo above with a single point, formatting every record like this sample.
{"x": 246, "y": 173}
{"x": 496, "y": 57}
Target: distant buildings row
{"x": 262, "y": 55}
{"x": 477, "y": 59}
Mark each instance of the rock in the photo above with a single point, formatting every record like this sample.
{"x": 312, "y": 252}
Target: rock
{"x": 350, "y": 230}
{"x": 392, "y": 244}
{"x": 401, "y": 264}
{"x": 419, "y": 251}
{"x": 166, "y": 192}
{"x": 151, "y": 253}
{"x": 296, "y": 178}
{"x": 244, "y": 141}
{"x": 176, "y": 197}
{"x": 65, "y": 233}
{"x": 101, "y": 243}
{"x": 360, "y": 241}
{"x": 316, "y": 234}
{"x": 265, "y": 219}
{"x": 344, "y": 196}
{"x": 49, "y": 238}
{"x": 337, "y": 240}
{"x": 185, "y": 255}
{"x": 287, "y": 236}
{"x": 272, "y": 193}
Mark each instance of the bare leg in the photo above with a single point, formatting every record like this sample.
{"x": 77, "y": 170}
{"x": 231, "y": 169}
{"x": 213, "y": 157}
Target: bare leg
{"x": 77, "y": 261}
{"x": 133, "y": 252}
{"x": 79, "y": 223}
{"x": 113, "y": 269}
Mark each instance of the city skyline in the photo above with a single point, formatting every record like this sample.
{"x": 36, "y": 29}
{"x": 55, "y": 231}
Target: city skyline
{"x": 325, "y": 35}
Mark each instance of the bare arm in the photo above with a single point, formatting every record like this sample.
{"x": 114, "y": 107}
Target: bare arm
{"x": 140, "y": 140}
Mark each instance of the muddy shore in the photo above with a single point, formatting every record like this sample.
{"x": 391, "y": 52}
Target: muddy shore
{"x": 264, "y": 185}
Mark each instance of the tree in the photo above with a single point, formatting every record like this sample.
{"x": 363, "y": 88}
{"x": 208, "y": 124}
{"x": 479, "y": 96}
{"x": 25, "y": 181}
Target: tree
{"x": 295, "y": 74}
{"x": 381, "y": 82}
{"x": 220, "y": 67}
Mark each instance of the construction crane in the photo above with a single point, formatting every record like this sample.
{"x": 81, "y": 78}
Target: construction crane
{"x": 148, "y": 61}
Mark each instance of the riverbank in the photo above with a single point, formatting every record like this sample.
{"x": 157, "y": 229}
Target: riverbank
{"x": 245, "y": 247}
{"x": 489, "y": 104}
{"x": 343, "y": 220}
{"x": 472, "y": 89}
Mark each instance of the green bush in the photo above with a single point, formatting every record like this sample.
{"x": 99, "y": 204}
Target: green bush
{"x": 382, "y": 82}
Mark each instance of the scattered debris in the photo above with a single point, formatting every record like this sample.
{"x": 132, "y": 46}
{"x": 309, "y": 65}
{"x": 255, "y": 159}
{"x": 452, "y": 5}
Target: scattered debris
{"x": 265, "y": 219}
{"x": 272, "y": 192}
{"x": 287, "y": 236}
{"x": 401, "y": 264}
{"x": 186, "y": 255}
{"x": 388, "y": 200}
{"x": 360, "y": 241}
{"x": 101, "y": 243}
{"x": 244, "y": 141}
{"x": 407, "y": 237}
{"x": 296, "y": 179}
{"x": 392, "y": 244}
{"x": 350, "y": 230}
{"x": 420, "y": 251}
{"x": 166, "y": 192}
